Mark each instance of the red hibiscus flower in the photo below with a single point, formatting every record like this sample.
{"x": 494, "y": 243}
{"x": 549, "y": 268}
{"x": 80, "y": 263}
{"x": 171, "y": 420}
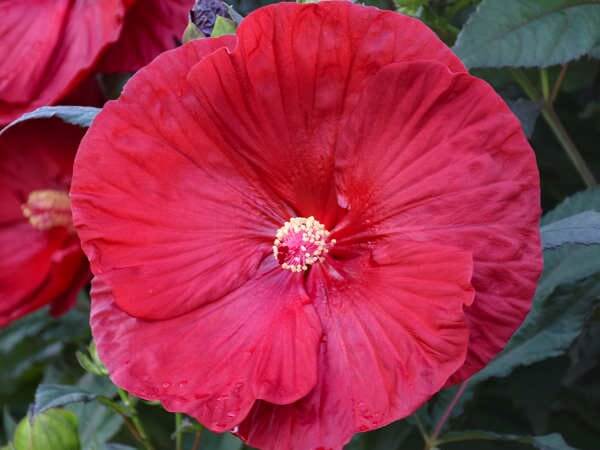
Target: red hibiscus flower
{"x": 49, "y": 47}
{"x": 306, "y": 230}
{"x": 41, "y": 262}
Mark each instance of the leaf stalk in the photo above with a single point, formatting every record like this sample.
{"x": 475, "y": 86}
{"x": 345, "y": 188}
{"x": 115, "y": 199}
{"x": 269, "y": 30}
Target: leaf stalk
{"x": 557, "y": 127}
{"x": 439, "y": 426}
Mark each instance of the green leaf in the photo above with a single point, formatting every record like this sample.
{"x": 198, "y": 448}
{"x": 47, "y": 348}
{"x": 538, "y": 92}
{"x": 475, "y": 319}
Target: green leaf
{"x": 223, "y": 26}
{"x": 191, "y": 33}
{"x": 29, "y": 343}
{"x": 8, "y": 422}
{"x": 535, "y": 404}
{"x": 87, "y": 364}
{"x": 570, "y": 263}
{"x": 410, "y": 7}
{"x": 90, "y": 361}
{"x": 54, "y": 430}
{"x": 50, "y": 396}
{"x": 585, "y": 354}
{"x": 98, "y": 424}
{"x": 527, "y": 112}
{"x": 582, "y": 228}
{"x": 28, "y": 326}
{"x": 118, "y": 447}
{"x": 529, "y": 33}
{"x": 75, "y": 115}
{"x": 392, "y": 436}
{"x": 552, "y": 441}
{"x": 548, "y": 442}
{"x": 550, "y": 328}
{"x": 567, "y": 292}
{"x": 235, "y": 16}
{"x": 588, "y": 200}
{"x": 225, "y": 441}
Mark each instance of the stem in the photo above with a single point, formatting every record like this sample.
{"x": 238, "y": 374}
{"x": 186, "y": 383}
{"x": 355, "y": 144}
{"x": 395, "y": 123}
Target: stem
{"x": 558, "y": 83}
{"x": 545, "y": 82}
{"x": 178, "y": 434}
{"x": 132, "y": 429}
{"x": 197, "y": 437}
{"x": 135, "y": 420}
{"x": 440, "y": 424}
{"x": 124, "y": 412}
{"x": 525, "y": 84}
{"x": 144, "y": 440}
{"x": 424, "y": 435}
{"x": 114, "y": 406}
{"x": 124, "y": 397}
{"x": 557, "y": 128}
{"x": 570, "y": 148}
{"x": 451, "y": 439}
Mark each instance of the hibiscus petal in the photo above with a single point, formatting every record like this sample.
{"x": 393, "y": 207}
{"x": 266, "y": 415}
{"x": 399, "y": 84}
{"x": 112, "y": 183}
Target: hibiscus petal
{"x": 49, "y": 49}
{"x": 259, "y": 342}
{"x": 71, "y": 271}
{"x": 43, "y": 269}
{"x": 146, "y": 164}
{"x": 25, "y": 263}
{"x": 438, "y": 157}
{"x": 36, "y": 267}
{"x": 395, "y": 331}
{"x": 277, "y": 99}
{"x": 151, "y": 27}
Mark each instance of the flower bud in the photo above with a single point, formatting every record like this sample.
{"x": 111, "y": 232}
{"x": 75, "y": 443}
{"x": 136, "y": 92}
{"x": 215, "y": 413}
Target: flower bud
{"x": 55, "y": 429}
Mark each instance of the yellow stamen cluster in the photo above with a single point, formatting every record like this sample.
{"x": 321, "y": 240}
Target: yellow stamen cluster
{"x": 301, "y": 242}
{"x": 49, "y": 208}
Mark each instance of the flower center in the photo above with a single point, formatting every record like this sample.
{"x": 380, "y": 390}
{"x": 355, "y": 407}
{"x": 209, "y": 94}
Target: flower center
{"x": 301, "y": 242}
{"x": 47, "y": 209}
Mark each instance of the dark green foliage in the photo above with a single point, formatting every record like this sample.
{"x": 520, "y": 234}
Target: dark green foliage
{"x": 542, "y": 392}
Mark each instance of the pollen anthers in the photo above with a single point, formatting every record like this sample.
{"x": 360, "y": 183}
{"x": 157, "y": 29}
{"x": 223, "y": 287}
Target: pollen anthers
{"x": 301, "y": 242}
{"x": 47, "y": 209}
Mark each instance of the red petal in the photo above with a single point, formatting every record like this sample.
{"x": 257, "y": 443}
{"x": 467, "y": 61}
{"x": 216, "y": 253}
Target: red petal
{"x": 156, "y": 202}
{"x": 395, "y": 330}
{"x": 25, "y": 264}
{"x": 70, "y": 267}
{"x": 48, "y": 271}
{"x": 37, "y": 267}
{"x": 48, "y": 49}
{"x": 151, "y": 27}
{"x": 438, "y": 157}
{"x": 259, "y": 342}
{"x": 277, "y": 100}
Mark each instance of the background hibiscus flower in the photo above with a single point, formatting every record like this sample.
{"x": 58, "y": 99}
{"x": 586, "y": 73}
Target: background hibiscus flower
{"x": 49, "y": 47}
{"x": 41, "y": 262}
{"x": 420, "y": 173}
